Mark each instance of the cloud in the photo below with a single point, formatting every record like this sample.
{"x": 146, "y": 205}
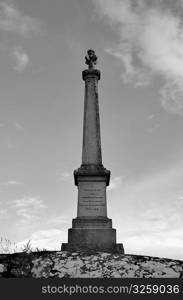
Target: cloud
{"x": 49, "y": 239}
{"x": 132, "y": 73}
{"x": 150, "y": 117}
{"x": 153, "y": 245}
{"x": 59, "y": 221}
{"x": 151, "y": 44}
{"x": 153, "y": 128}
{"x": 149, "y": 218}
{"x": 21, "y": 59}
{"x": 18, "y": 126}
{"x": 28, "y": 208}
{"x": 34, "y": 221}
{"x": 15, "y": 124}
{"x": 115, "y": 183}
{"x": 64, "y": 176}
{"x": 14, "y": 182}
{"x": 14, "y": 21}
{"x": 156, "y": 231}
{"x": 172, "y": 97}
{"x": 153, "y": 125}
{"x": 3, "y": 214}
{"x": 11, "y": 183}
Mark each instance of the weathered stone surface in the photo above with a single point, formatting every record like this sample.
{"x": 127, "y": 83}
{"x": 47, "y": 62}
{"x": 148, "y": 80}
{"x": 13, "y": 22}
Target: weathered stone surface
{"x": 92, "y": 199}
{"x": 95, "y": 239}
{"x": 87, "y": 265}
{"x": 92, "y": 223}
{"x": 91, "y": 151}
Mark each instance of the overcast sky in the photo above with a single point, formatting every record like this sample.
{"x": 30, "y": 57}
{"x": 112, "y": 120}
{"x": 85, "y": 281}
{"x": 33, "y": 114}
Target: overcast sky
{"x": 139, "y": 45}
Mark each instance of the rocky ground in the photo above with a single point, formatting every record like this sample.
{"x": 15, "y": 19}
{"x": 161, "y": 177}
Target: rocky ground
{"x": 87, "y": 265}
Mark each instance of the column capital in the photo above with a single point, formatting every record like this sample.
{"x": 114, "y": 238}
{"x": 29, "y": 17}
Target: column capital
{"x": 88, "y": 73}
{"x": 97, "y": 173}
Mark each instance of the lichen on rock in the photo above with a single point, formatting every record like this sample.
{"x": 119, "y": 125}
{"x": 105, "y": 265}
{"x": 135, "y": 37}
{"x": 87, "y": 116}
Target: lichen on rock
{"x": 59, "y": 264}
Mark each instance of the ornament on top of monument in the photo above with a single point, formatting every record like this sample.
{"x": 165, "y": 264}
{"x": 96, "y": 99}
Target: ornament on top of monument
{"x": 91, "y": 61}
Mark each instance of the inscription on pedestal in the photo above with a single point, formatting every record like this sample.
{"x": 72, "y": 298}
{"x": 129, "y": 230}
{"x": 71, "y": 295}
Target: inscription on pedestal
{"x": 92, "y": 199}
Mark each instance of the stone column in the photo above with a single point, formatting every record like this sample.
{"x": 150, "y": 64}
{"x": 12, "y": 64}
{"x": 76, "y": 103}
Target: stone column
{"x": 92, "y": 229}
{"x": 91, "y": 151}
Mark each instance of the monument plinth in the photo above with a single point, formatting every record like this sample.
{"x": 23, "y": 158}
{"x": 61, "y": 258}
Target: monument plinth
{"x": 92, "y": 229}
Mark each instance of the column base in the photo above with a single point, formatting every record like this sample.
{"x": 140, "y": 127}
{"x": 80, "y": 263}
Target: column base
{"x": 92, "y": 235}
{"x": 116, "y": 248}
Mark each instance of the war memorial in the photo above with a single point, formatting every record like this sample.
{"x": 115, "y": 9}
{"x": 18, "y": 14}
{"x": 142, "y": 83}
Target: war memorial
{"x": 92, "y": 229}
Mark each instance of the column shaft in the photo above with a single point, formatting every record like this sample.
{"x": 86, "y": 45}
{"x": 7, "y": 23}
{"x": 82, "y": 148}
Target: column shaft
{"x": 91, "y": 150}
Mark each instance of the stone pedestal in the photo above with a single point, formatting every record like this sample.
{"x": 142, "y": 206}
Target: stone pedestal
{"x": 92, "y": 229}
{"x": 94, "y": 234}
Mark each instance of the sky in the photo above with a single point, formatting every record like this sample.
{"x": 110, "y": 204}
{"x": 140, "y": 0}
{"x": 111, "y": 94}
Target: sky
{"x": 139, "y": 45}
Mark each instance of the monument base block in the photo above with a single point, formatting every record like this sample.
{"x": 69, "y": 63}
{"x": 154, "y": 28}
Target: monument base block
{"x": 116, "y": 248}
{"x": 92, "y": 235}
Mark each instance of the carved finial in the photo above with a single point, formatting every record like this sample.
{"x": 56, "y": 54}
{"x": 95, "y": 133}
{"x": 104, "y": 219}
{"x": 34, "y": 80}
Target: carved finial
{"x": 91, "y": 59}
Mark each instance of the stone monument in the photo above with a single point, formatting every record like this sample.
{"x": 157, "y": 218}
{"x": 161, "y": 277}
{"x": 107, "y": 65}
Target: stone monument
{"x": 91, "y": 229}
